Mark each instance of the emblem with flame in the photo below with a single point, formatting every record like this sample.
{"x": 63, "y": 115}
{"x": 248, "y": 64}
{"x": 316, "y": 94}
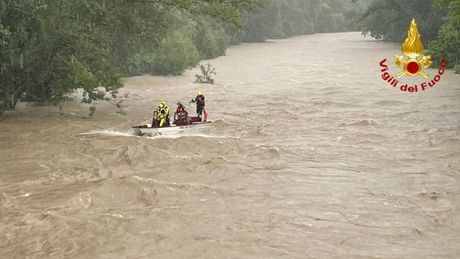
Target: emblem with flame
{"x": 412, "y": 49}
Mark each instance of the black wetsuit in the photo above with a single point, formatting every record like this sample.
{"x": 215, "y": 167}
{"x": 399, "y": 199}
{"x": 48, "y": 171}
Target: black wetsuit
{"x": 200, "y": 103}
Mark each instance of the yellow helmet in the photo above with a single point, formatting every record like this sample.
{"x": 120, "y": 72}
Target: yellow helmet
{"x": 199, "y": 93}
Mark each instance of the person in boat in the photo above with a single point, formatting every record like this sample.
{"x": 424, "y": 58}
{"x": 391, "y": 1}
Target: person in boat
{"x": 161, "y": 115}
{"x": 181, "y": 115}
{"x": 200, "y": 104}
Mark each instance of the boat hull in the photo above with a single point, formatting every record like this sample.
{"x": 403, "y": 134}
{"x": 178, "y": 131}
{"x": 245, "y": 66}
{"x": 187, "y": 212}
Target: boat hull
{"x": 171, "y": 130}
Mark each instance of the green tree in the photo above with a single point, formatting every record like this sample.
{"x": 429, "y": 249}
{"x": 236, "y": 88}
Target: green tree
{"x": 284, "y": 18}
{"x": 389, "y": 19}
{"x": 438, "y": 23}
{"x": 50, "y": 48}
{"x": 447, "y": 42}
{"x": 175, "y": 54}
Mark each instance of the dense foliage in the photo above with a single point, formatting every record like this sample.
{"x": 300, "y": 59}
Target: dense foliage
{"x": 447, "y": 42}
{"x": 50, "y": 48}
{"x": 438, "y": 23}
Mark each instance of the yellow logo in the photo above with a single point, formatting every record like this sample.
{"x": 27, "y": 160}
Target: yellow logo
{"x": 413, "y": 50}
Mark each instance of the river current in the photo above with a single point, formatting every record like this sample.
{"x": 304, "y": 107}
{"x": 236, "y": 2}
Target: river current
{"x": 311, "y": 154}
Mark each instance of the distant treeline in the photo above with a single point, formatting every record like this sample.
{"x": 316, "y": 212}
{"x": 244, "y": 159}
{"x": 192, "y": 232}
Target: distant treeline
{"x": 284, "y": 18}
{"x": 438, "y": 23}
{"x": 50, "y": 48}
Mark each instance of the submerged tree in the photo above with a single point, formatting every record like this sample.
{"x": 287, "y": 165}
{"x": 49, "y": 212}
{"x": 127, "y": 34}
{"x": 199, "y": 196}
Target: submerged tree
{"x": 206, "y": 74}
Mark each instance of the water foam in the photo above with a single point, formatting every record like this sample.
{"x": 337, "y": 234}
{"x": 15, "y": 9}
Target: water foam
{"x": 115, "y": 133}
{"x": 110, "y": 133}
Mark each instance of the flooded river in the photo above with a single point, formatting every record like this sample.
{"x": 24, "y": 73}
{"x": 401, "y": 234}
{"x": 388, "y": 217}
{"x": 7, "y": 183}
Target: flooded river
{"x": 311, "y": 155}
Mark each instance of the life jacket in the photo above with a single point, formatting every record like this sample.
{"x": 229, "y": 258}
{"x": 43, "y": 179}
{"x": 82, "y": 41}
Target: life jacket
{"x": 181, "y": 112}
{"x": 163, "y": 111}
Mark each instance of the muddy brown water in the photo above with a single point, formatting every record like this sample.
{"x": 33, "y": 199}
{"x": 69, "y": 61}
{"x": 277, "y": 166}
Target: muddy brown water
{"x": 311, "y": 155}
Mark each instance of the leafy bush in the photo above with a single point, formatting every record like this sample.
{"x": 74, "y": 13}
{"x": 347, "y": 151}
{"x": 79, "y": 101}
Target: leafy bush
{"x": 446, "y": 45}
{"x": 175, "y": 54}
{"x": 211, "y": 39}
{"x": 142, "y": 62}
{"x": 447, "y": 41}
